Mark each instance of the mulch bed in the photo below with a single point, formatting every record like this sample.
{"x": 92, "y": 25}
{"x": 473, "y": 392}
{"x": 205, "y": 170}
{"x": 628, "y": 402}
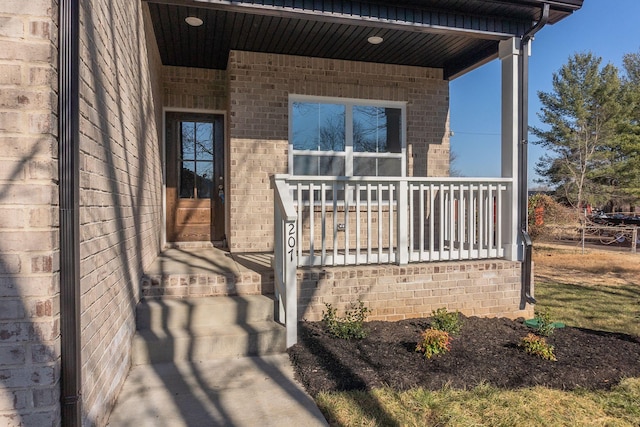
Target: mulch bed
{"x": 486, "y": 351}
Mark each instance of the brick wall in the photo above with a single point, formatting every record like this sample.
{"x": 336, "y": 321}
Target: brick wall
{"x": 194, "y": 88}
{"x": 259, "y": 86}
{"x": 121, "y": 192}
{"x": 475, "y": 288}
{"x": 29, "y": 290}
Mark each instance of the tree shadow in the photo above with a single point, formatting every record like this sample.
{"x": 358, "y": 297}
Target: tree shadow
{"x": 29, "y": 330}
{"x": 199, "y": 395}
{"x": 118, "y": 237}
{"x": 344, "y": 377}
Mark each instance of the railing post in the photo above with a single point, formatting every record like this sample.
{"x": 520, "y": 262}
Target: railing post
{"x": 286, "y": 258}
{"x": 291, "y": 282}
{"x": 634, "y": 240}
{"x": 402, "y": 218}
{"x": 278, "y": 262}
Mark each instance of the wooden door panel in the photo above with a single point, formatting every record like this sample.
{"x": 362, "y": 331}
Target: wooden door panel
{"x": 197, "y": 216}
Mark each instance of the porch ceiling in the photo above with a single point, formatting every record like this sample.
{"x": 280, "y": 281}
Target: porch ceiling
{"x": 455, "y": 35}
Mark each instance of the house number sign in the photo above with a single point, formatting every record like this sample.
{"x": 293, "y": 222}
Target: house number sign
{"x": 291, "y": 239}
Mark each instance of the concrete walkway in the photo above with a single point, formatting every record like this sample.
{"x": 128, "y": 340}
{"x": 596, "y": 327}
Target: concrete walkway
{"x": 248, "y": 391}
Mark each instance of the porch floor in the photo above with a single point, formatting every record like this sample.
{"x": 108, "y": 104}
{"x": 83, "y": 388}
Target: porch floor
{"x": 209, "y": 260}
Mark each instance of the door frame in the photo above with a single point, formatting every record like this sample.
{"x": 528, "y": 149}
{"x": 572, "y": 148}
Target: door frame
{"x": 163, "y": 153}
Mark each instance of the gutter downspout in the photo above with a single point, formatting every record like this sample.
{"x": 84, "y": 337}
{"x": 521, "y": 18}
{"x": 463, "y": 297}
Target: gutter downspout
{"x": 69, "y": 188}
{"x": 523, "y": 132}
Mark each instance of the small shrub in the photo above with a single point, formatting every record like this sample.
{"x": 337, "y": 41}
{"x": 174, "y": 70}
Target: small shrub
{"x": 545, "y": 325}
{"x": 433, "y": 341}
{"x": 447, "y": 321}
{"x": 538, "y": 346}
{"x": 347, "y": 327}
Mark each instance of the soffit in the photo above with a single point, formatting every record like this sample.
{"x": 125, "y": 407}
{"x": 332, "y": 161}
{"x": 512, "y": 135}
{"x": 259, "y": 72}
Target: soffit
{"x": 454, "y": 35}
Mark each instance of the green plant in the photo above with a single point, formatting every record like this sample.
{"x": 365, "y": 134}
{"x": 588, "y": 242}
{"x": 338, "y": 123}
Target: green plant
{"x": 545, "y": 326}
{"x": 433, "y": 341}
{"x": 349, "y": 326}
{"x": 447, "y": 321}
{"x": 538, "y": 346}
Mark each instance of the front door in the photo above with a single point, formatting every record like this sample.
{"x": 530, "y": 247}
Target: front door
{"x": 195, "y": 184}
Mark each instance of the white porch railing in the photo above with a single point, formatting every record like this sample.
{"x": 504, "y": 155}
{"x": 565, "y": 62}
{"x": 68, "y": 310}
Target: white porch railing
{"x": 330, "y": 221}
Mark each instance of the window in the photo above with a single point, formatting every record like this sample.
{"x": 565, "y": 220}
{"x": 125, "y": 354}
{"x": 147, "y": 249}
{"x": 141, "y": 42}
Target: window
{"x": 337, "y": 137}
{"x": 196, "y": 160}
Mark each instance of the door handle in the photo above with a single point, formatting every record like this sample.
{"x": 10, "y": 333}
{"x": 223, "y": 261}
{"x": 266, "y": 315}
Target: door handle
{"x": 221, "y": 192}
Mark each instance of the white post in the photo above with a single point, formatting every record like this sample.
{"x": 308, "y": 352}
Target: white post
{"x": 278, "y": 258}
{"x": 509, "y": 51}
{"x": 291, "y": 283}
{"x": 286, "y": 257}
{"x": 402, "y": 214}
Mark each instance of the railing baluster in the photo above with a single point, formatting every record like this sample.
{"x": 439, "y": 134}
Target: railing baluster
{"x": 391, "y": 247}
{"x": 380, "y": 215}
{"x": 481, "y": 225}
{"x": 443, "y": 225}
{"x": 312, "y": 213}
{"x": 335, "y": 223}
{"x": 452, "y": 219}
{"x": 369, "y": 238}
{"x": 422, "y": 218}
{"x": 411, "y": 225}
{"x": 358, "y": 224}
{"x": 461, "y": 223}
{"x": 470, "y": 221}
{"x": 491, "y": 219}
{"x": 323, "y": 222}
{"x": 499, "y": 243}
{"x": 432, "y": 202}
{"x": 300, "y": 224}
{"x": 347, "y": 234}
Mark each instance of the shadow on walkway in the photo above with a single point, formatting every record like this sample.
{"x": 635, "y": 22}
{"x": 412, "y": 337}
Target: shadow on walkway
{"x": 247, "y": 391}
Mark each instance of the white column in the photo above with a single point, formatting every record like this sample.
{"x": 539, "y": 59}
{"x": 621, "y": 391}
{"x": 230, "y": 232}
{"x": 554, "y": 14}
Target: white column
{"x": 509, "y": 51}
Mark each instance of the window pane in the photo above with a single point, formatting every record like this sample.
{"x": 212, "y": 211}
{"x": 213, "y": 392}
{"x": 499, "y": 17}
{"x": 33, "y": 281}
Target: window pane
{"x": 318, "y": 165}
{"x": 187, "y": 142}
{"x": 389, "y": 167}
{"x": 364, "y": 166}
{"x": 204, "y": 179}
{"x": 187, "y": 179}
{"x": 305, "y": 165}
{"x": 332, "y": 166}
{"x": 204, "y": 141}
{"x": 376, "y": 129}
{"x": 318, "y": 127}
{"x": 376, "y": 166}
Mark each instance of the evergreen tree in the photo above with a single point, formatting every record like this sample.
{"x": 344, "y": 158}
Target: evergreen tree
{"x": 627, "y": 162}
{"x": 583, "y": 114}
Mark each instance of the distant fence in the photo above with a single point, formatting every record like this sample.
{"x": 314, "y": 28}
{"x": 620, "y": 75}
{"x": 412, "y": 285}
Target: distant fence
{"x": 621, "y": 236}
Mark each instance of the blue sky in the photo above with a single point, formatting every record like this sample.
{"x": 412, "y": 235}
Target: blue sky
{"x": 607, "y": 28}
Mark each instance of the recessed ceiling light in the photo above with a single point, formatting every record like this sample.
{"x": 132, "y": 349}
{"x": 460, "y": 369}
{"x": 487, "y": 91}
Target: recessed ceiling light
{"x": 194, "y": 21}
{"x": 375, "y": 39}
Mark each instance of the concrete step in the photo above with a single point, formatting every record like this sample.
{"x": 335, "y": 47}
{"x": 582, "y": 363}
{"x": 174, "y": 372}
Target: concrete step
{"x": 208, "y": 343}
{"x": 162, "y": 314}
{"x": 206, "y": 328}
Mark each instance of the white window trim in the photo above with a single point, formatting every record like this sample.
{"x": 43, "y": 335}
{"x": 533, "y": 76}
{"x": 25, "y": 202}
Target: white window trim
{"x": 348, "y": 152}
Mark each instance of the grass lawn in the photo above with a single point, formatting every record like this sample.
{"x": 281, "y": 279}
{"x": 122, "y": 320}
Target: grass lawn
{"x": 598, "y": 290}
